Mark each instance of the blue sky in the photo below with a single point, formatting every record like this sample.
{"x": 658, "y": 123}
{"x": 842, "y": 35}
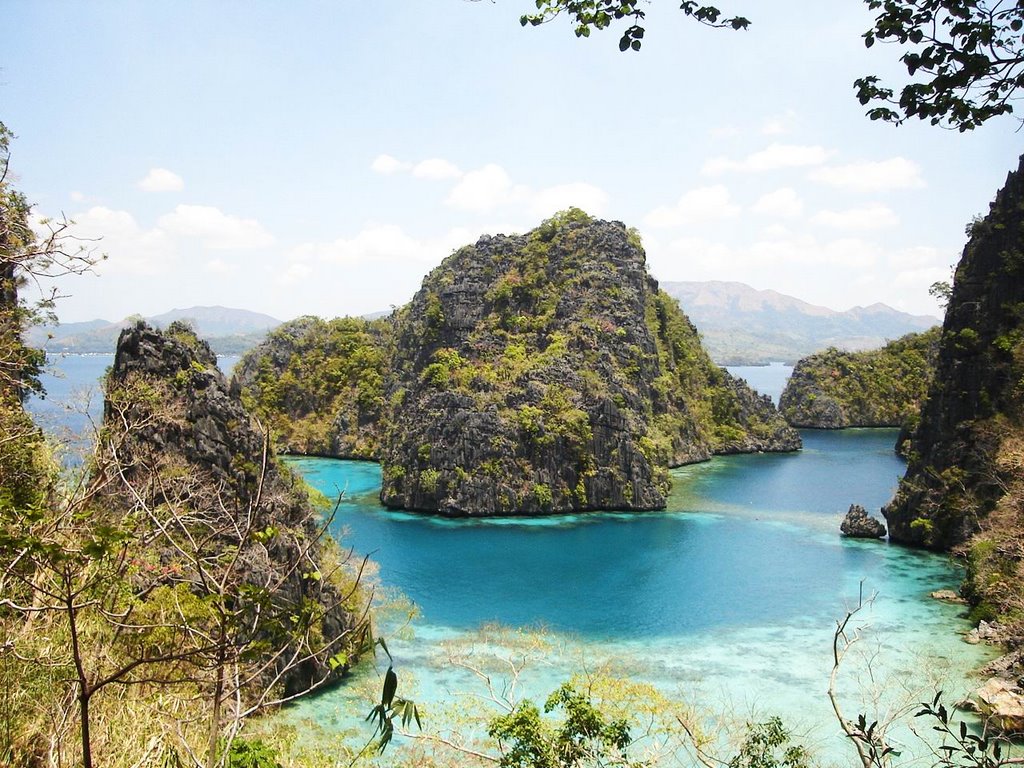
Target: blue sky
{"x": 321, "y": 157}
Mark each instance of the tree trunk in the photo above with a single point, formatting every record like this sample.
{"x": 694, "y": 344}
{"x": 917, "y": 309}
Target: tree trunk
{"x": 83, "y": 709}
{"x": 218, "y": 697}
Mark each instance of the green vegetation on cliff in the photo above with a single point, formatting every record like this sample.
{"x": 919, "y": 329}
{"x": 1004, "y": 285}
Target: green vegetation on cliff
{"x": 546, "y": 372}
{"x": 319, "y": 385}
{"x": 175, "y": 585}
{"x": 530, "y": 374}
{"x": 877, "y": 388}
{"x": 964, "y": 486}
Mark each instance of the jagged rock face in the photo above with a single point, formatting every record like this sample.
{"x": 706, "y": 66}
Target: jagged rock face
{"x": 973, "y": 414}
{"x": 858, "y": 524}
{"x": 319, "y": 385}
{"x": 176, "y": 441}
{"x": 877, "y": 388}
{"x": 545, "y": 372}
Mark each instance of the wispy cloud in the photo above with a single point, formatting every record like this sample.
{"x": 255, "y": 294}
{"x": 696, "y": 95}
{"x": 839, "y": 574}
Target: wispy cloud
{"x": 784, "y": 202}
{"x": 436, "y": 168}
{"x": 161, "y": 180}
{"x": 697, "y": 205}
{"x": 871, "y": 176}
{"x": 868, "y": 217}
{"x": 214, "y": 228}
{"x": 387, "y": 165}
{"x": 773, "y": 157}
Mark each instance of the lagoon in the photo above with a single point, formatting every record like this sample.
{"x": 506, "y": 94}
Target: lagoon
{"x": 727, "y": 599}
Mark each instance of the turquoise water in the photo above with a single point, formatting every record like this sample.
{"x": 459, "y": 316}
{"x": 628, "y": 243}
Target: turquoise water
{"x": 727, "y": 599}
{"x": 743, "y": 540}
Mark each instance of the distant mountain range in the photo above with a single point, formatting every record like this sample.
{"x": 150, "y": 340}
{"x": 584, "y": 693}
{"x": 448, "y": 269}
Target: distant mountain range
{"x": 739, "y": 324}
{"x": 742, "y": 325}
{"x": 229, "y": 331}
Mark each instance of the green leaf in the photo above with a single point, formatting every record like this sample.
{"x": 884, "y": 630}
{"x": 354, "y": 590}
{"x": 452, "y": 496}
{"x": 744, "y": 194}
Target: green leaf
{"x": 390, "y": 686}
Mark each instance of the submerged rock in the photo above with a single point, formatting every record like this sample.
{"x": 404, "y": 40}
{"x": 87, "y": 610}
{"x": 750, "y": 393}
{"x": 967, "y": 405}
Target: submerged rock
{"x": 859, "y": 525}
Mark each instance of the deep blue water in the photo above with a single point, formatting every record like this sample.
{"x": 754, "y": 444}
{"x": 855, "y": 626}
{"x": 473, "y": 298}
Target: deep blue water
{"x": 727, "y": 599}
{"x": 746, "y": 541}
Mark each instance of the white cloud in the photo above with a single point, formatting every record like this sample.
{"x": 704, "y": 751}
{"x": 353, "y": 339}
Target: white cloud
{"x": 725, "y": 132}
{"x": 779, "y": 125}
{"x": 161, "y": 180}
{"x": 130, "y": 248}
{"x": 77, "y": 197}
{"x": 871, "y": 176}
{"x": 922, "y": 256}
{"x": 485, "y": 189}
{"x": 550, "y": 200}
{"x": 771, "y": 158}
{"x": 214, "y": 228}
{"x": 296, "y": 273}
{"x": 388, "y": 165}
{"x": 435, "y": 168}
{"x": 795, "y": 251}
{"x": 871, "y": 216}
{"x": 776, "y": 231}
{"x": 380, "y": 244}
{"x": 696, "y": 205}
{"x": 220, "y": 267}
{"x": 782, "y": 202}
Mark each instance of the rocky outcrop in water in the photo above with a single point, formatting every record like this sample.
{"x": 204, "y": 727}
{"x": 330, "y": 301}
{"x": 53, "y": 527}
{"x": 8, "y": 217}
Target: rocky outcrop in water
{"x": 858, "y": 524}
{"x": 545, "y": 372}
{"x": 179, "y": 451}
{"x": 877, "y": 388}
{"x": 967, "y": 448}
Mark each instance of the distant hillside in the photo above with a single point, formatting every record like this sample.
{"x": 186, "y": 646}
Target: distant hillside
{"x": 229, "y": 331}
{"x": 742, "y": 325}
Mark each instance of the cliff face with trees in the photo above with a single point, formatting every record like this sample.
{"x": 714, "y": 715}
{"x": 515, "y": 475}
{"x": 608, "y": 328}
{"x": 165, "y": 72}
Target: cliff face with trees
{"x": 186, "y": 462}
{"x": 530, "y": 374}
{"x": 965, "y": 470}
{"x": 177, "y": 584}
{"x": 877, "y": 388}
{"x": 318, "y": 385}
{"x": 546, "y": 372}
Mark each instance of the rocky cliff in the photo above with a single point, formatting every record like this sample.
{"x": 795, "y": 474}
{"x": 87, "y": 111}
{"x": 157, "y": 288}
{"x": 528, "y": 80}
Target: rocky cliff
{"x": 178, "y": 449}
{"x": 546, "y": 372}
{"x": 877, "y": 388}
{"x": 318, "y": 385}
{"x": 964, "y": 472}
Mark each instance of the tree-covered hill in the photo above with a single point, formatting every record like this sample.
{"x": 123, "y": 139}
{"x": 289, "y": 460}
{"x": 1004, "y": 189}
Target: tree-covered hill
{"x": 319, "y": 385}
{"x": 877, "y": 388}
{"x": 530, "y": 374}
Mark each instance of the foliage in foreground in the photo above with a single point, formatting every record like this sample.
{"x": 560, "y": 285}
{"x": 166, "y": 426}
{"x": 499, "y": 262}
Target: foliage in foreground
{"x": 964, "y": 58}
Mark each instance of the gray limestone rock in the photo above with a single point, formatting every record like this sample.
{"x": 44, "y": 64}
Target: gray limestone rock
{"x": 859, "y": 525}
